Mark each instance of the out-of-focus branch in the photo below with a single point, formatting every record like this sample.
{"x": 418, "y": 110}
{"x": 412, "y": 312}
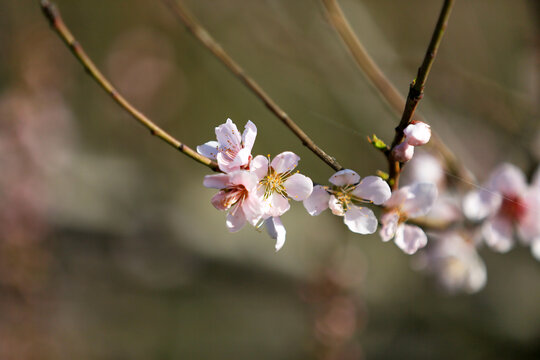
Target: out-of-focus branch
{"x": 385, "y": 87}
{"x": 202, "y": 35}
{"x": 53, "y": 15}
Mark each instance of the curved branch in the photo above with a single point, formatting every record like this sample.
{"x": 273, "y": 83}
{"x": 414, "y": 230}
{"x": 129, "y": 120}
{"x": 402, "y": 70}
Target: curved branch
{"x": 385, "y": 87}
{"x": 200, "y": 33}
{"x": 53, "y": 15}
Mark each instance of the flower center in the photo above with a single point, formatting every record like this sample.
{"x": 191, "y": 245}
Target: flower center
{"x": 513, "y": 208}
{"x": 273, "y": 182}
{"x": 235, "y": 195}
{"x": 344, "y": 196}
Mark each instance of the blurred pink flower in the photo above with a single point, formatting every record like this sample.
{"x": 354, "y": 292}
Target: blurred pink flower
{"x": 504, "y": 203}
{"x": 403, "y": 152}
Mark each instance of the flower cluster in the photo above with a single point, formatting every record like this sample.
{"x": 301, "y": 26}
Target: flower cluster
{"x": 253, "y": 190}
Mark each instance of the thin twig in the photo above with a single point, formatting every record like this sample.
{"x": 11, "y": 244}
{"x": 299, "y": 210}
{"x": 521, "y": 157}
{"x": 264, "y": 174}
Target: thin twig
{"x": 53, "y": 15}
{"x": 384, "y": 86}
{"x": 202, "y": 35}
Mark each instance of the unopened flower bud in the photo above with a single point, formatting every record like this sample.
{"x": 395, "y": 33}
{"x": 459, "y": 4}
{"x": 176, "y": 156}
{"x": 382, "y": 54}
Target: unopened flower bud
{"x": 403, "y": 152}
{"x": 417, "y": 133}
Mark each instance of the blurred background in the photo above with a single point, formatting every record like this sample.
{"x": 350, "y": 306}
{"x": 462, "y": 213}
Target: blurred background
{"x": 110, "y": 248}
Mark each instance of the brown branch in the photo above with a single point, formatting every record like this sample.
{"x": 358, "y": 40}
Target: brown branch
{"x": 202, "y": 35}
{"x": 385, "y": 87}
{"x": 53, "y": 15}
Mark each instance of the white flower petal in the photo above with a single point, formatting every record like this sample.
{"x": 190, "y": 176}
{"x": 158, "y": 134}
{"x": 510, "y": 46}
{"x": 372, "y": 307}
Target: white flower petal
{"x": 360, "y": 220}
{"x": 277, "y": 205}
{"x": 418, "y": 133}
{"x": 235, "y": 219}
{"x": 209, "y": 149}
{"x": 410, "y": 238}
{"x": 276, "y": 230}
{"x": 498, "y": 233}
{"x": 298, "y": 187}
{"x": 286, "y": 161}
{"x": 228, "y": 136}
{"x": 373, "y": 188}
{"x": 507, "y": 179}
{"x": 229, "y": 164}
{"x": 479, "y": 204}
{"x": 389, "y": 222}
{"x": 249, "y": 135}
{"x": 336, "y": 206}
{"x": 217, "y": 181}
{"x": 403, "y": 152}
{"x": 420, "y": 199}
{"x": 344, "y": 177}
{"x": 317, "y": 202}
{"x": 398, "y": 198}
{"x": 259, "y": 166}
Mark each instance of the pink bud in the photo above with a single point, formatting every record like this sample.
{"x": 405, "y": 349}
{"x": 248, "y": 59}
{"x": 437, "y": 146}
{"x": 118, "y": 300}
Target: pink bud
{"x": 417, "y": 133}
{"x": 403, "y": 152}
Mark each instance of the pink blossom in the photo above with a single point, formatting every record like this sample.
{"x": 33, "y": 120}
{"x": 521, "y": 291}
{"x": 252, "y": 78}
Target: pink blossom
{"x": 403, "y": 152}
{"x": 406, "y": 203}
{"x": 232, "y": 151}
{"x": 505, "y": 203}
{"x": 417, "y": 133}
{"x": 455, "y": 262}
{"x": 346, "y": 197}
{"x": 238, "y": 196}
{"x": 278, "y": 182}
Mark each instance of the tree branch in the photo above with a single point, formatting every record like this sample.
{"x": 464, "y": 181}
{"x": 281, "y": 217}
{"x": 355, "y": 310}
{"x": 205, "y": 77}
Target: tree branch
{"x": 200, "y": 33}
{"x": 385, "y": 87}
{"x": 53, "y": 15}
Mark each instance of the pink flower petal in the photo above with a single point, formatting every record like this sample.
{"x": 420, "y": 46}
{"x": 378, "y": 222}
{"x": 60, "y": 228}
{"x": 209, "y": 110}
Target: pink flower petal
{"x": 335, "y": 206}
{"x": 277, "y": 205}
{"x": 479, "y": 204}
{"x": 398, "y": 198}
{"x": 286, "y": 161}
{"x": 259, "y": 165}
{"x": 235, "y": 219}
{"x": 507, "y": 179}
{"x": 344, "y": 177}
{"x": 389, "y": 223}
{"x": 249, "y": 135}
{"x": 317, "y": 202}
{"x": 410, "y": 238}
{"x": 360, "y": 220}
{"x": 228, "y": 136}
{"x": 221, "y": 200}
{"x": 373, "y": 188}
{"x": 298, "y": 187}
{"x": 209, "y": 149}
{"x": 217, "y": 181}
{"x": 403, "y": 152}
{"x": 253, "y": 208}
{"x": 498, "y": 233}
{"x": 529, "y": 224}
{"x": 418, "y": 133}
{"x": 246, "y": 178}
{"x": 276, "y": 230}
{"x": 420, "y": 199}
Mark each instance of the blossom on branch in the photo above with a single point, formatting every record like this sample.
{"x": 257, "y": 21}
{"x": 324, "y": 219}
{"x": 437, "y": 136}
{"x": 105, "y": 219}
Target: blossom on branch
{"x": 232, "y": 151}
{"x": 238, "y": 196}
{"x": 505, "y": 203}
{"x": 417, "y": 133}
{"x": 278, "y": 182}
{"x": 409, "y": 202}
{"x": 346, "y": 198}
